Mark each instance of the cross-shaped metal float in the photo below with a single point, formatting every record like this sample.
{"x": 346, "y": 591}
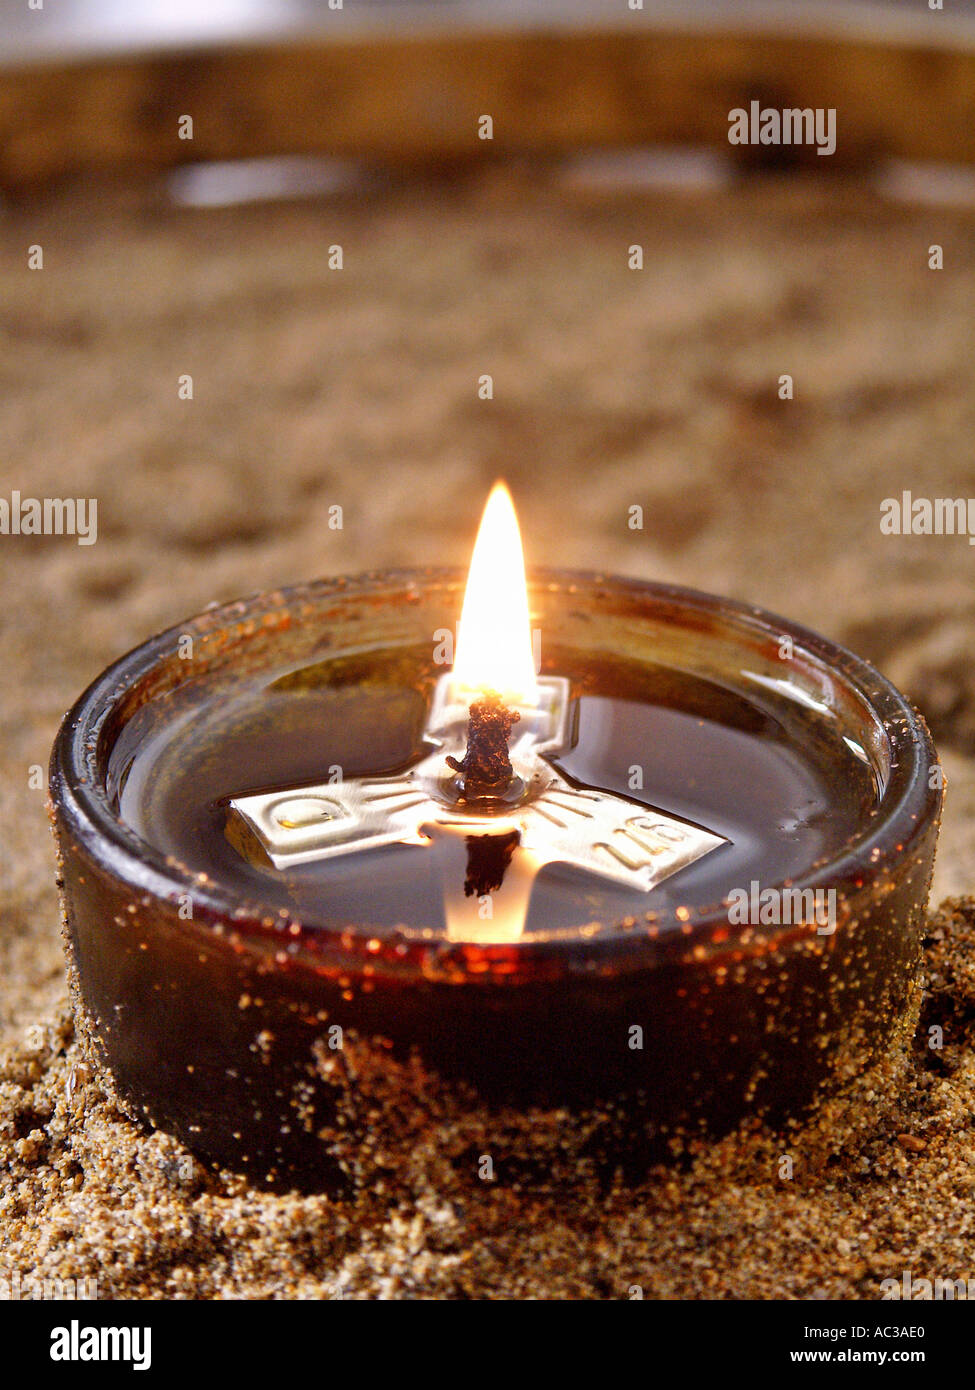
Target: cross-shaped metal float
{"x": 548, "y": 820}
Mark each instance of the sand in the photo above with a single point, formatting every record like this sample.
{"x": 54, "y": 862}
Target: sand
{"x": 612, "y": 387}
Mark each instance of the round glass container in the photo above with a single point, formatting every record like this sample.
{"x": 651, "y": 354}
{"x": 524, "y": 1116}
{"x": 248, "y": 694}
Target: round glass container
{"x": 273, "y": 1019}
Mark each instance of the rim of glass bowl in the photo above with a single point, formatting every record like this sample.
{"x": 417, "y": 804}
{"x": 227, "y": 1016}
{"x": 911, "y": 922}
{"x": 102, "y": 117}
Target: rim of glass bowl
{"x": 905, "y": 809}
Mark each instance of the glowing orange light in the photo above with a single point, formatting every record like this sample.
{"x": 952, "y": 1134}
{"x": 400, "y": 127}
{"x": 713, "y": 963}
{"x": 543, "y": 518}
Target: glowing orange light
{"x": 494, "y": 643}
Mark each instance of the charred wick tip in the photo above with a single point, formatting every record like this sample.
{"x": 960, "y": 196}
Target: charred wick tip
{"x": 486, "y": 767}
{"x": 488, "y": 857}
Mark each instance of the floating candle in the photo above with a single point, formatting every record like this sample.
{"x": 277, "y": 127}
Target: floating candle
{"x": 278, "y": 848}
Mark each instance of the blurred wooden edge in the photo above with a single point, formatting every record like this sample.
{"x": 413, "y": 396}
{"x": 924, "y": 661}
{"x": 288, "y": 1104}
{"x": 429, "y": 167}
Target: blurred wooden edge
{"x": 416, "y": 98}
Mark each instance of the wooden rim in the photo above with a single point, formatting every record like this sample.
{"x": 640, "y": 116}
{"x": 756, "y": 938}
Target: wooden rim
{"x": 410, "y": 93}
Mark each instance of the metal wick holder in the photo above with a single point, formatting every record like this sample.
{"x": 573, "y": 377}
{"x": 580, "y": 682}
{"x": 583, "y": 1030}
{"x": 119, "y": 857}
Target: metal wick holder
{"x": 592, "y": 830}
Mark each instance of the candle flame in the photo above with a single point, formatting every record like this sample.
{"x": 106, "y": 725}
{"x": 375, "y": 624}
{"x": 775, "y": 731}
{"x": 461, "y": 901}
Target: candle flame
{"x": 494, "y": 641}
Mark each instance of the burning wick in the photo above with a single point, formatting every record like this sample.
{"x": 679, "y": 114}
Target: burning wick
{"x": 495, "y": 666}
{"x": 485, "y": 767}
